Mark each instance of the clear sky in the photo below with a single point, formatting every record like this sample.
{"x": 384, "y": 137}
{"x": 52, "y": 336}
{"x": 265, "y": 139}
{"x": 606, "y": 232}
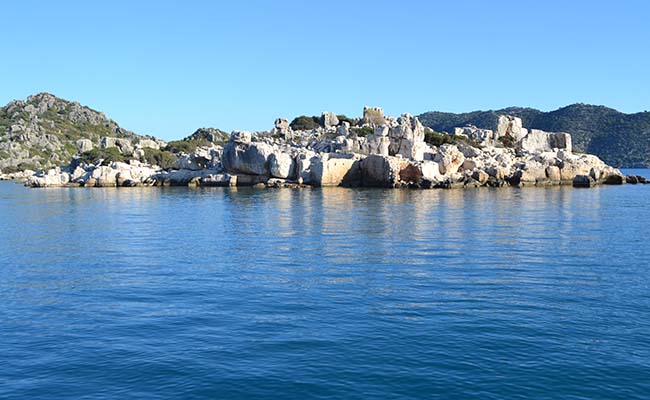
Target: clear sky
{"x": 168, "y": 67}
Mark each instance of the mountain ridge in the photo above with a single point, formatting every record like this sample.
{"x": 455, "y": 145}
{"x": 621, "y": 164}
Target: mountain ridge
{"x": 618, "y": 138}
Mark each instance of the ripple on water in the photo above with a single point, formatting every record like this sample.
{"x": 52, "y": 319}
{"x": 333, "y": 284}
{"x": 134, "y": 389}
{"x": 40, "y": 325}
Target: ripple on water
{"x": 332, "y": 293}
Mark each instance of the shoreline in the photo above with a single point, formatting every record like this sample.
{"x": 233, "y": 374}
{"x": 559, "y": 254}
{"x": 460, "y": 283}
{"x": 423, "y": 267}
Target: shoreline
{"x": 380, "y": 151}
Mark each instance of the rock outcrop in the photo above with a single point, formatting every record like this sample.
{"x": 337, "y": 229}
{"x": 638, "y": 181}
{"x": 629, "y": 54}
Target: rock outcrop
{"x": 45, "y": 131}
{"x": 380, "y": 151}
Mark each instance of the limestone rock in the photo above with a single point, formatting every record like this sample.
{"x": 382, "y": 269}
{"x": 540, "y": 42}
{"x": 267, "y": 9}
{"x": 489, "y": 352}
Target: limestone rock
{"x": 335, "y": 170}
{"x": 281, "y": 165}
{"x": 329, "y": 119}
{"x": 240, "y": 157}
{"x": 343, "y": 129}
{"x": 148, "y": 144}
{"x": 539, "y": 141}
{"x": 449, "y": 158}
{"x": 282, "y": 128}
{"x": 584, "y": 181}
{"x": 84, "y": 145}
{"x": 381, "y": 171}
{"x": 510, "y": 126}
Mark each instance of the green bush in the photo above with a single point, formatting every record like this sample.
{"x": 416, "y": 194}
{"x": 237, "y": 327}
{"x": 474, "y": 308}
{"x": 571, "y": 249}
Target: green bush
{"x": 20, "y": 167}
{"x": 108, "y": 155}
{"x": 363, "y": 131}
{"x": 507, "y": 141}
{"x": 434, "y": 138}
{"x": 437, "y": 139}
{"x": 305, "y": 123}
{"x": 186, "y": 146}
{"x": 344, "y": 118}
{"x": 163, "y": 158}
{"x": 10, "y": 169}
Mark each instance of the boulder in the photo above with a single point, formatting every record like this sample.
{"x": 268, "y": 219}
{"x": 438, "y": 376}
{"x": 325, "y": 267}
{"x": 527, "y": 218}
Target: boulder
{"x": 335, "y": 169}
{"x": 553, "y": 173}
{"x": 107, "y": 142}
{"x": 282, "y": 128}
{"x": 528, "y": 173}
{"x": 583, "y": 164}
{"x": 240, "y": 157}
{"x": 381, "y": 171}
{"x": 615, "y": 179}
{"x": 430, "y": 171}
{"x": 329, "y": 119}
{"x": 281, "y": 165}
{"x": 510, "y": 126}
{"x": 343, "y": 129}
{"x": 378, "y": 144}
{"x": 410, "y": 173}
{"x": 539, "y": 141}
{"x": 584, "y": 181}
{"x": 407, "y": 138}
{"x": 484, "y": 137}
{"x": 148, "y": 144}
{"x": 449, "y": 158}
{"x": 241, "y": 137}
{"x": 84, "y": 145}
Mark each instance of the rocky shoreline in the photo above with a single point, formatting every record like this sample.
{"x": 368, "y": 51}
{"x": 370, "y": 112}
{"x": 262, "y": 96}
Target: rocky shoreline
{"x": 378, "y": 151}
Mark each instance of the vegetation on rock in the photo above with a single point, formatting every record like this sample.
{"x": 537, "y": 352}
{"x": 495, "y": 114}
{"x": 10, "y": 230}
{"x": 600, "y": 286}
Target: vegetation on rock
{"x": 305, "y": 123}
{"x": 42, "y": 131}
{"x": 107, "y": 155}
{"x": 362, "y": 131}
{"x": 620, "y": 139}
{"x": 162, "y": 158}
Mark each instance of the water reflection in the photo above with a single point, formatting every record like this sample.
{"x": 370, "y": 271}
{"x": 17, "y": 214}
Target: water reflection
{"x": 296, "y": 284}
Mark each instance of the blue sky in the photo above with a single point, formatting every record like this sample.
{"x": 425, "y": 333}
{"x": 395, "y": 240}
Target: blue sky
{"x": 168, "y": 67}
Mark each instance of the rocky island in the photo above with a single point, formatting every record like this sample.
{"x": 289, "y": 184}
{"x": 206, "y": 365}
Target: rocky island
{"x": 50, "y": 142}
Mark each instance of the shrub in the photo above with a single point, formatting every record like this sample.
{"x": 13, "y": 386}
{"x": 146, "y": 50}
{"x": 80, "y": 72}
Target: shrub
{"x": 185, "y": 145}
{"x": 344, "y": 118}
{"x": 507, "y": 141}
{"x": 437, "y": 139}
{"x": 108, "y": 155}
{"x": 163, "y": 158}
{"x": 434, "y": 138}
{"x": 20, "y": 167}
{"x": 305, "y": 123}
{"x": 363, "y": 131}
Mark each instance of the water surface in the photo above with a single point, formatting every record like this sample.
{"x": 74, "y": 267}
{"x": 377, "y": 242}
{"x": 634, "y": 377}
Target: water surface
{"x": 324, "y": 293}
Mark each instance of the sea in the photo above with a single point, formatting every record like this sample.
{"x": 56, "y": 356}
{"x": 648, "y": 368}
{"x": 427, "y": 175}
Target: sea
{"x": 332, "y": 293}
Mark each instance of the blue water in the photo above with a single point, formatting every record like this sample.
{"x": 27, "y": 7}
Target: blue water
{"x": 213, "y": 293}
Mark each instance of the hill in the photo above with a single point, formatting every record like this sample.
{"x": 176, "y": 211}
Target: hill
{"x": 620, "y": 139}
{"x": 42, "y": 131}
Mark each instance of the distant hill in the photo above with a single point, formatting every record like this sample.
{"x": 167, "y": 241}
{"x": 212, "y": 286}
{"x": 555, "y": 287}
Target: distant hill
{"x": 42, "y": 131}
{"x": 620, "y": 139}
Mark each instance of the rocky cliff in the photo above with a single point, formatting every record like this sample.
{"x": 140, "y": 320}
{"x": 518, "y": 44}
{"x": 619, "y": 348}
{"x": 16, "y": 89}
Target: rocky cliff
{"x": 45, "y": 131}
{"x": 373, "y": 150}
{"x": 60, "y": 143}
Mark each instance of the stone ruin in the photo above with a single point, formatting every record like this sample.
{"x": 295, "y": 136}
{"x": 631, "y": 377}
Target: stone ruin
{"x": 532, "y": 141}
